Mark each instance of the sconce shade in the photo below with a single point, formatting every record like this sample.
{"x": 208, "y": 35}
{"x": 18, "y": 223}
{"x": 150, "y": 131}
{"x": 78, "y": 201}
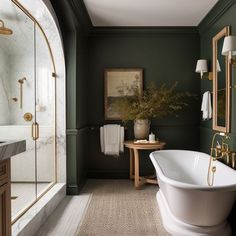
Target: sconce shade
{"x": 201, "y": 66}
{"x": 229, "y": 46}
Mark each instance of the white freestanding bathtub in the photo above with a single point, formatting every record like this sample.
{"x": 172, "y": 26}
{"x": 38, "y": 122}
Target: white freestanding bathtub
{"x": 188, "y": 205}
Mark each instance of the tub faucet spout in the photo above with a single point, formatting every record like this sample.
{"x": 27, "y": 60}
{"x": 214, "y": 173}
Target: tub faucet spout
{"x": 217, "y": 152}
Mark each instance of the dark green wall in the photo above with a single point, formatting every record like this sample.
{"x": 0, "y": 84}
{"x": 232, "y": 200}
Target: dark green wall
{"x": 166, "y": 55}
{"x": 207, "y": 32}
{"x": 223, "y": 16}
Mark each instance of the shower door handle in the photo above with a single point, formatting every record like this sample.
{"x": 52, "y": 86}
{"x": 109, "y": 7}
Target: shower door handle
{"x": 35, "y": 131}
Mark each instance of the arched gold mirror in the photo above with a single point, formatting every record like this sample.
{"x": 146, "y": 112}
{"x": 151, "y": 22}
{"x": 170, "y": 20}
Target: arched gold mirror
{"x": 221, "y": 84}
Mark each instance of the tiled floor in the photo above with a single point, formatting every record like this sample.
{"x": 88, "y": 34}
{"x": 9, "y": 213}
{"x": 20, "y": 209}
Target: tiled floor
{"x": 66, "y": 218}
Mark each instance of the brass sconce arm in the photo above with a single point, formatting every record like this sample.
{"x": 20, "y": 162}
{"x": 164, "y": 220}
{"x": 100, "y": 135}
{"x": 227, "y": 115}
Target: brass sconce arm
{"x": 208, "y": 75}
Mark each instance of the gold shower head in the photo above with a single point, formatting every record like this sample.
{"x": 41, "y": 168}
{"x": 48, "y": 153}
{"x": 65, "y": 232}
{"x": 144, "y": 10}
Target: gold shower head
{"x": 4, "y": 30}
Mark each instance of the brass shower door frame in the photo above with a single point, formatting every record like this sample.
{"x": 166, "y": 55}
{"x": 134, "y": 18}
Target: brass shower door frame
{"x": 24, "y": 10}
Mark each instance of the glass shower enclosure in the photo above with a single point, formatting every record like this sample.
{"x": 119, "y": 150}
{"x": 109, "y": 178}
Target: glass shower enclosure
{"x": 27, "y": 105}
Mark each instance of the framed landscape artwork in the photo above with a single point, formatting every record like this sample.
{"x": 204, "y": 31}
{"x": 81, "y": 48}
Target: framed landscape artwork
{"x": 118, "y": 83}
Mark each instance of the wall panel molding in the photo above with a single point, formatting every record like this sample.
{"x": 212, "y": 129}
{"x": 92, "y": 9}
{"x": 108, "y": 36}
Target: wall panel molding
{"x": 142, "y": 30}
{"x": 81, "y": 14}
{"x": 71, "y": 132}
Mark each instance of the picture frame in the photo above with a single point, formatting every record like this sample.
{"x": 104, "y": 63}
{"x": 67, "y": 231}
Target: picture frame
{"x": 119, "y": 82}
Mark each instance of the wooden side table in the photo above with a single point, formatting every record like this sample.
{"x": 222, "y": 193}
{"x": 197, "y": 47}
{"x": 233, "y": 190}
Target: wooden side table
{"x": 134, "y": 161}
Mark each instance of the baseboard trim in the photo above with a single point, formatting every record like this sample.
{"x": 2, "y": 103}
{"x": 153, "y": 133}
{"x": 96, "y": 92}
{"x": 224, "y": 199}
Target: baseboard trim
{"x": 112, "y": 174}
{"x": 107, "y": 175}
{"x": 75, "y": 189}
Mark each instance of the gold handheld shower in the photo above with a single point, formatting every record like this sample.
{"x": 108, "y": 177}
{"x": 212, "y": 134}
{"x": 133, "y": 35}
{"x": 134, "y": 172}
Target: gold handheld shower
{"x": 4, "y": 30}
{"x": 21, "y": 82}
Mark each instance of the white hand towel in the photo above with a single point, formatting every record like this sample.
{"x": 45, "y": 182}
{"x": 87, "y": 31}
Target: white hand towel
{"x": 206, "y": 106}
{"x": 112, "y": 139}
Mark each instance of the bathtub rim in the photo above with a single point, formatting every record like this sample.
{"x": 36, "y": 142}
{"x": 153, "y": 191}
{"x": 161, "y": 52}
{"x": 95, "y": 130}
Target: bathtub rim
{"x": 175, "y": 183}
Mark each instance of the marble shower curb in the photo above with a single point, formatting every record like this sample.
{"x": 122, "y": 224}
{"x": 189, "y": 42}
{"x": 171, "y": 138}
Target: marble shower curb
{"x": 31, "y": 221}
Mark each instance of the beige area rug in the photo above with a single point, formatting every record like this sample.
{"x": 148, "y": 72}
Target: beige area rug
{"x": 117, "y": 209}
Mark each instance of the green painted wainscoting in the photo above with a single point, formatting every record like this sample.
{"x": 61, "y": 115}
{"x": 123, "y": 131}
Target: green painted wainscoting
{"x": 166, "y": 55}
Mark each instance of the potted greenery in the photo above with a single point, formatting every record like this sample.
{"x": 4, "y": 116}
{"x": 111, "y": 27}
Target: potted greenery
{"x": 154, "y": 102}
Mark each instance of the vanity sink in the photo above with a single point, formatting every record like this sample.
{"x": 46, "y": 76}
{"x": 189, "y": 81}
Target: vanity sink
{"x": 9, "y": 148}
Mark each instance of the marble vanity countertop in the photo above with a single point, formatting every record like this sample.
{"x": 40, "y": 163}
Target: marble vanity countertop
{"x": 9, "y": 148}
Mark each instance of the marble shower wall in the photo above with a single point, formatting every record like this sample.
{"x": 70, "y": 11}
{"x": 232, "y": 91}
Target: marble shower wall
{"x": 13, "y": 68}
{"x": 40, "y": 91}
{"x": 21, "y": 54}
{"x": 43, "y": 12}
{"x": 23, "y": 67}
{"x": 4, "y": 88}
{"x": 43, "y": 96}
{"x": 23, "y": 164}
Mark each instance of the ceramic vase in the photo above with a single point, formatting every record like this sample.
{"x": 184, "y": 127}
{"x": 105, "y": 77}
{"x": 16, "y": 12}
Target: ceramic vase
{"x": 141, "y": 128}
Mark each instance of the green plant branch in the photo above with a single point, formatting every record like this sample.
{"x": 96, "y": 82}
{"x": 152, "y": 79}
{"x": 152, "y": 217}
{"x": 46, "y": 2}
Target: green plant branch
{"x": 153, "y": 103}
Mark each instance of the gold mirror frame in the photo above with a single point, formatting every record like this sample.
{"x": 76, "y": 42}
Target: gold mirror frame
{"x": 224, "y": 32}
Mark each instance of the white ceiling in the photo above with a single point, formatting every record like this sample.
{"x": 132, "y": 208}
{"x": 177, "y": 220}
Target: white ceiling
{"x": 148, "y": 12}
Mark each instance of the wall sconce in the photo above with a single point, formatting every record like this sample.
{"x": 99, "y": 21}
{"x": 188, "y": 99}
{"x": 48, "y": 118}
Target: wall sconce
{"x": 229, "y": 48}
{"x": 202, "y": 68}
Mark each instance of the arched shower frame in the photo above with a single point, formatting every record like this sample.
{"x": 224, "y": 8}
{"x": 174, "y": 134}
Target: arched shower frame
{"x": 57, "y": 56}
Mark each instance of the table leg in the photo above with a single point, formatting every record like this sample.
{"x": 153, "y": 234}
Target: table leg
{"x": 136, "y": 169}
{"x": 131, "y": 164}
